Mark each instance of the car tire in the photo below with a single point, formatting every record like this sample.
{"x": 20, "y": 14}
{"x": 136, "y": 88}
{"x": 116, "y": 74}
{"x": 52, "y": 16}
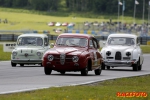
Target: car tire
{"x": 108, "y": 67}
{"x": 62, "y": 72}
{"x": 98, "y": 71}
{"x": 103, "y": 66}
{"x": 13, "y": 64}
{"x": 41, "y": 64}
{"x": 136, "y": 66}
{"x": 47, "y": 70}
{"x": 140, "y": 67}
{"x": 21, "y": 65}
{"x": 84, "y": 72}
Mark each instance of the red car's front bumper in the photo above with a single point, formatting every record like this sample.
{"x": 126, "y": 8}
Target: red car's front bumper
{"x": 67, "y": 66}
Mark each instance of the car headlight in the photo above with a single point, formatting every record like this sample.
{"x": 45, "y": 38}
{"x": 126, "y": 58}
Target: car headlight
{"x": 39, "y": 53}
{"x": 50, "y": 57}
{"x": 128, "y": 53}
{"x": 75, "y": 58}
{"x": 14, "y": 53}
{"x": 108, "y": 53}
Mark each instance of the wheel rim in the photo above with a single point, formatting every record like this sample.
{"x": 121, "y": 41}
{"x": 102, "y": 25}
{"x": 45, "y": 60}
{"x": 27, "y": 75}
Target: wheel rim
{"x": 85, "y": 71}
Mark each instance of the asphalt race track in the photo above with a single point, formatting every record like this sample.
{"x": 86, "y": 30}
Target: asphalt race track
{"x": 18, "y": 79}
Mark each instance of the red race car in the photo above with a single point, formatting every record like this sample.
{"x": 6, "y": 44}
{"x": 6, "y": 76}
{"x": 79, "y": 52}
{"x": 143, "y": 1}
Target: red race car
{"x": 73, "y": 52}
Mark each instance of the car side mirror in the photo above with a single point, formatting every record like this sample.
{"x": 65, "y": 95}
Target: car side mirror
{"x": 52, "y": 45}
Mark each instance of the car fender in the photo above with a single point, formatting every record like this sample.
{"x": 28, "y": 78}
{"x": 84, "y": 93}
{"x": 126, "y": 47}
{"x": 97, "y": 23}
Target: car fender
{"x": 85, "y": 57}
{"x": 136, "y": 54}
{"x": 103, "y": 52}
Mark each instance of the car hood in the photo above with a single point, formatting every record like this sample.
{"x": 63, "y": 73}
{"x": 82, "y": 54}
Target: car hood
{"x": 66, "y": 50}
{"x": 119, "y": 48}
{"x": 116, "y": 48}
{"x": 28, "y": 48}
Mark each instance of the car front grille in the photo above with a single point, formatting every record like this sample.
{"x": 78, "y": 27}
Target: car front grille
{"x": 68, "y": 58}
{"x": 118, "y": 55}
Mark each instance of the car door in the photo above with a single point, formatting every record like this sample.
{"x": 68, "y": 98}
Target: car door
{"x": 93, "y": 53}
{"x": 97, "y": 56}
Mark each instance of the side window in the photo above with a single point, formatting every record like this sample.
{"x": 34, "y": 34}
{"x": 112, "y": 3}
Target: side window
{"x": 39, "y": 41}
{"x": 46, "y": 42}
{"x": 91, "y": 44}
{"x": 95, "y": 44}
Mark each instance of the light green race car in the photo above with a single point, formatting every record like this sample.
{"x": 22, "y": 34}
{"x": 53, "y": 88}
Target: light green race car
{"x": 30, "y": 49}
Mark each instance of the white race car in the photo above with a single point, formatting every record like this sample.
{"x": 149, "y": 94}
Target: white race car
{"x": 122, "y": 50}
{"x": 29, "y": 49}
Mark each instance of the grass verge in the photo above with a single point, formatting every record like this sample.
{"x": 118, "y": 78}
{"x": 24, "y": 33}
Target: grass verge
{"x": 106, "y": 90}
{"x": 4, "y": 55}
{"x": 19, "y": 19}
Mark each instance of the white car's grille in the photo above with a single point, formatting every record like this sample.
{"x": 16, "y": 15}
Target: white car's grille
{"x": 118, "y": 55}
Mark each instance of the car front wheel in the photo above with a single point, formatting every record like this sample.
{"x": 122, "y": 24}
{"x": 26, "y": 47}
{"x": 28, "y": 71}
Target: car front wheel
{"x": 98, "y": 71}
{"x": 140, "y": 67}
{"x": 108, "y": 67}
{"x": 84, "y": 72}
{"x": 103, "y": 66}
{"x": 22, "y": 65}
{"x": 136, "y": 66}
{"x": 13, "y": 64}
{"x": 62, "y": 72}
{"x": 47, "y": 70}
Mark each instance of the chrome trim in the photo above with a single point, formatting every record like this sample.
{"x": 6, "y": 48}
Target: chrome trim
{"x": 119, "y": 63}
{"x": 62, "y": 59}
{"x": 27, "y": 61}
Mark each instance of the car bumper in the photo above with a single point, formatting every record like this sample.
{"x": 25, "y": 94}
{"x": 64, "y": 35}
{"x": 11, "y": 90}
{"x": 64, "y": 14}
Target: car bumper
{"x": 119, "y": 63}
{"x": 27, "y": 61}
{"x": 68, "y": 66}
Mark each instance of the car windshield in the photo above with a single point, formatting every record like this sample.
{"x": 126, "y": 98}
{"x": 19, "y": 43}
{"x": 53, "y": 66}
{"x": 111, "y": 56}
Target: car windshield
{"x": 35, "y": 41}
{"x": 121, "y": 41}
{"x": 71, "y": 41}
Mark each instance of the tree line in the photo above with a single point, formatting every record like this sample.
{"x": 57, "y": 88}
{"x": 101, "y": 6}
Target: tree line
{"x": 96, "y": 6}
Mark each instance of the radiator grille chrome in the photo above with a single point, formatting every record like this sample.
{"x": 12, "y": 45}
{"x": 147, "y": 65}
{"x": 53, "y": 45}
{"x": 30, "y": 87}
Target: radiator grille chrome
{"x": 118, "y": 55}
{"x": 62, "y": 58}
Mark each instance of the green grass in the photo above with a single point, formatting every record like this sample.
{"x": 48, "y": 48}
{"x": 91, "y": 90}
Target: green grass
{"x": 4, "y": 55}
{"x": 145, "y": 48}
{"x": 19, "y": 19}
{"x": 106, "y": 90}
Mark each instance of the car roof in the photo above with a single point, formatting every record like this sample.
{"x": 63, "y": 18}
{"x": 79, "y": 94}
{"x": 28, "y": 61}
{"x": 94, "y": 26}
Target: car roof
{"x": 122, "y": 35}
{"x": 33, "y": 35}
{"x": 75, "y": 35}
